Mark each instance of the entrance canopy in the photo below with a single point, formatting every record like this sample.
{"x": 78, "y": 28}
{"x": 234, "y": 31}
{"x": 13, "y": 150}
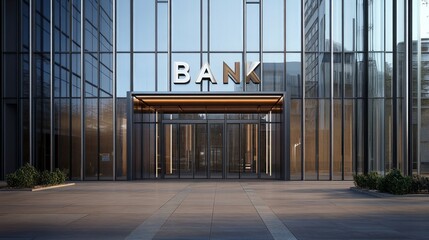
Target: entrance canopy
{"x": 208, "y": 103}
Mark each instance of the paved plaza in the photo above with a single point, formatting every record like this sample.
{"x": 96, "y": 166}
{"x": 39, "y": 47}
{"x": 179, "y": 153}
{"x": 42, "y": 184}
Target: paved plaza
{"x": 210, "y": 209}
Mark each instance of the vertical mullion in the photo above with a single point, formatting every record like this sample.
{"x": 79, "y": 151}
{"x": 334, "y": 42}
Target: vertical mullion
{"x": 331, "y": 121}
{"x": 82, "y": 90}
{"x": 31, "y": 82}
{"x": 98, "y": 97}
{"x": 156, "y": 47}
{"x": 244, "y": 57}
{"x": 303, "y": 91}
{"x": 70, "y": 88}
{"x": 261, "y": 41}
{"x": 131, "y": 45}
{"x": 407, "y": 110}
{"x": 419, "y": 99}
{"x": 169, "y": 45}
{"x": 395, "y": 162}
{"x": 201, "y": 45}
{"x": 114, "y": 85}
{"x": 343, "y": 91}
{"x": 51, "y": 87}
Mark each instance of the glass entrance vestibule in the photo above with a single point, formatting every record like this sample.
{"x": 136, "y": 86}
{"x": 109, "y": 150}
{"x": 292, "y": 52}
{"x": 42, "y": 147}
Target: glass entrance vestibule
{"x": 210, "y": 136}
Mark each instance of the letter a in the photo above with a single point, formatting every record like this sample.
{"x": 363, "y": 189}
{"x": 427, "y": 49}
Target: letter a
{"x": 206, "y": 73}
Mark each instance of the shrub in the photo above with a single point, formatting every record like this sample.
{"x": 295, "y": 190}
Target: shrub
{"x": 419, "y": 184}
{"x": 25, "y": 177}
{"x": 372, "y": 180}
{"x": 360, "y": 181}
{"x": 28, "y": 176}
{"x": 52, "y": 178}
{"x": 367, "y": 180}
{"x": 394, "y": 182}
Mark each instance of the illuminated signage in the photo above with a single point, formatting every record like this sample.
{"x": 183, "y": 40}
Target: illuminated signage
{"x": 182, "y": 75}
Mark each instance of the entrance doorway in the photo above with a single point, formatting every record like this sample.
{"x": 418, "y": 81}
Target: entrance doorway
{"x": 210, "y": 150}
{"x": 219, "y": 136}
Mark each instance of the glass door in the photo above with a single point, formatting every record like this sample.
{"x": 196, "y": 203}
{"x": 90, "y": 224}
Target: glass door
{"x": 249, "y": 150}
{"x": 200, "y": 154}
{"x": 234, "y": 156}
{"x": 243, "y": 150}
{"x": 185, "y": 147}
{"x": 216, "y": 149}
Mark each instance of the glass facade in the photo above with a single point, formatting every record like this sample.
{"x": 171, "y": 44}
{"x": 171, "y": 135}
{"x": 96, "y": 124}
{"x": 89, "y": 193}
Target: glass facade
{"x": 354, "y": 74}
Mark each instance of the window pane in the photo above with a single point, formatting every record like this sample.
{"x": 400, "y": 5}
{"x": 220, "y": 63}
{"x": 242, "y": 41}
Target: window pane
{"x": 163, "y": 83}
{"x": 226, "y": 25}
{"x": 252, "y": 27}
{"x": 106, "y": 139}
{"x": 293, "y": 25}
{"x": 162, "y": 26}
{"x": 185, "y": 25}
{"x": 295, "y": 139}
{"x": 144, "y": 25}
{"x": 123, "y": 74}
{"x": 144, "y": 72}
{"x": 273, "y": 72}
{"x": 293, "y": 74}
{"x": 123, "y": 25}
{"x": 273, "y": 25}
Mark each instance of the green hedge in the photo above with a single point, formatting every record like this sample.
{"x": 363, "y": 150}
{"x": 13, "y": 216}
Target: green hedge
{"x": 394, "y": 182}
{"x": 28, "y": 177}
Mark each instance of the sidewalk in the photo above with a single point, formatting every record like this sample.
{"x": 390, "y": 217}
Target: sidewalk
{"x": 210, "y": 209}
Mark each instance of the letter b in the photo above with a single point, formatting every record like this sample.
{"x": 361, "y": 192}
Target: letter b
{"x": 181, "y": 72}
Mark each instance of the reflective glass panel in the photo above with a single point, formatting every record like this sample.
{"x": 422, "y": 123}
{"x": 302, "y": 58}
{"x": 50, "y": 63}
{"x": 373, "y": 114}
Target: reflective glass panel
{"x": 185, "y": 22}
{"x": 293, "y": 25}
{"x": 144, "y": 25}
{"x": 144, "y": 72}
{"x": 273, "y": 25}
{"x": 226, "y": 25}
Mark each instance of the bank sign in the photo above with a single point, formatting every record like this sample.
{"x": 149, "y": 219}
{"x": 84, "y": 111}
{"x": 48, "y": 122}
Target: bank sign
{"x": 182, "y": 75}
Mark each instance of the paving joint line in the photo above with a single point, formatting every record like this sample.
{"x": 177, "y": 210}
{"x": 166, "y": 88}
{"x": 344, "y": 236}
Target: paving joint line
{"x": 277, "y": 229}
{"x": 151, "y": 226}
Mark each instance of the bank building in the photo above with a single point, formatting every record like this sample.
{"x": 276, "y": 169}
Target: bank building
{"x": 228, "y": 89}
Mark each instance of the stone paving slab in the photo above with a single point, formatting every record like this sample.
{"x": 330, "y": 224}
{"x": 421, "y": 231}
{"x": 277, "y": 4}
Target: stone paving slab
{"x": 211, "y": 209}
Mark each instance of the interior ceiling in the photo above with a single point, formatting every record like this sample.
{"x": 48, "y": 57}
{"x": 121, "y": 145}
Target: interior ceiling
{"x": 208, "y": 103}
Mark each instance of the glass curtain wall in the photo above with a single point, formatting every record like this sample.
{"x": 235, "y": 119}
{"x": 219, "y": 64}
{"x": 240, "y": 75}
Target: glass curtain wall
{"x": 66, "y": 72}
{"x": 420, "y": 88}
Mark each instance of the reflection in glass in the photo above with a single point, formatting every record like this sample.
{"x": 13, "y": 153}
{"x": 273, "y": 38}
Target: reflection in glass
{"x": 106, "y": 139}
{"x": 91, "y": 139}
{"x": 122, "y": 74}
{"x": 121, "y": 139}
{"x": 216, "y": 150}
{"x": 295, "y": 139}
{"x": 293, "y": 74}
{"x": 273, "y": 72}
